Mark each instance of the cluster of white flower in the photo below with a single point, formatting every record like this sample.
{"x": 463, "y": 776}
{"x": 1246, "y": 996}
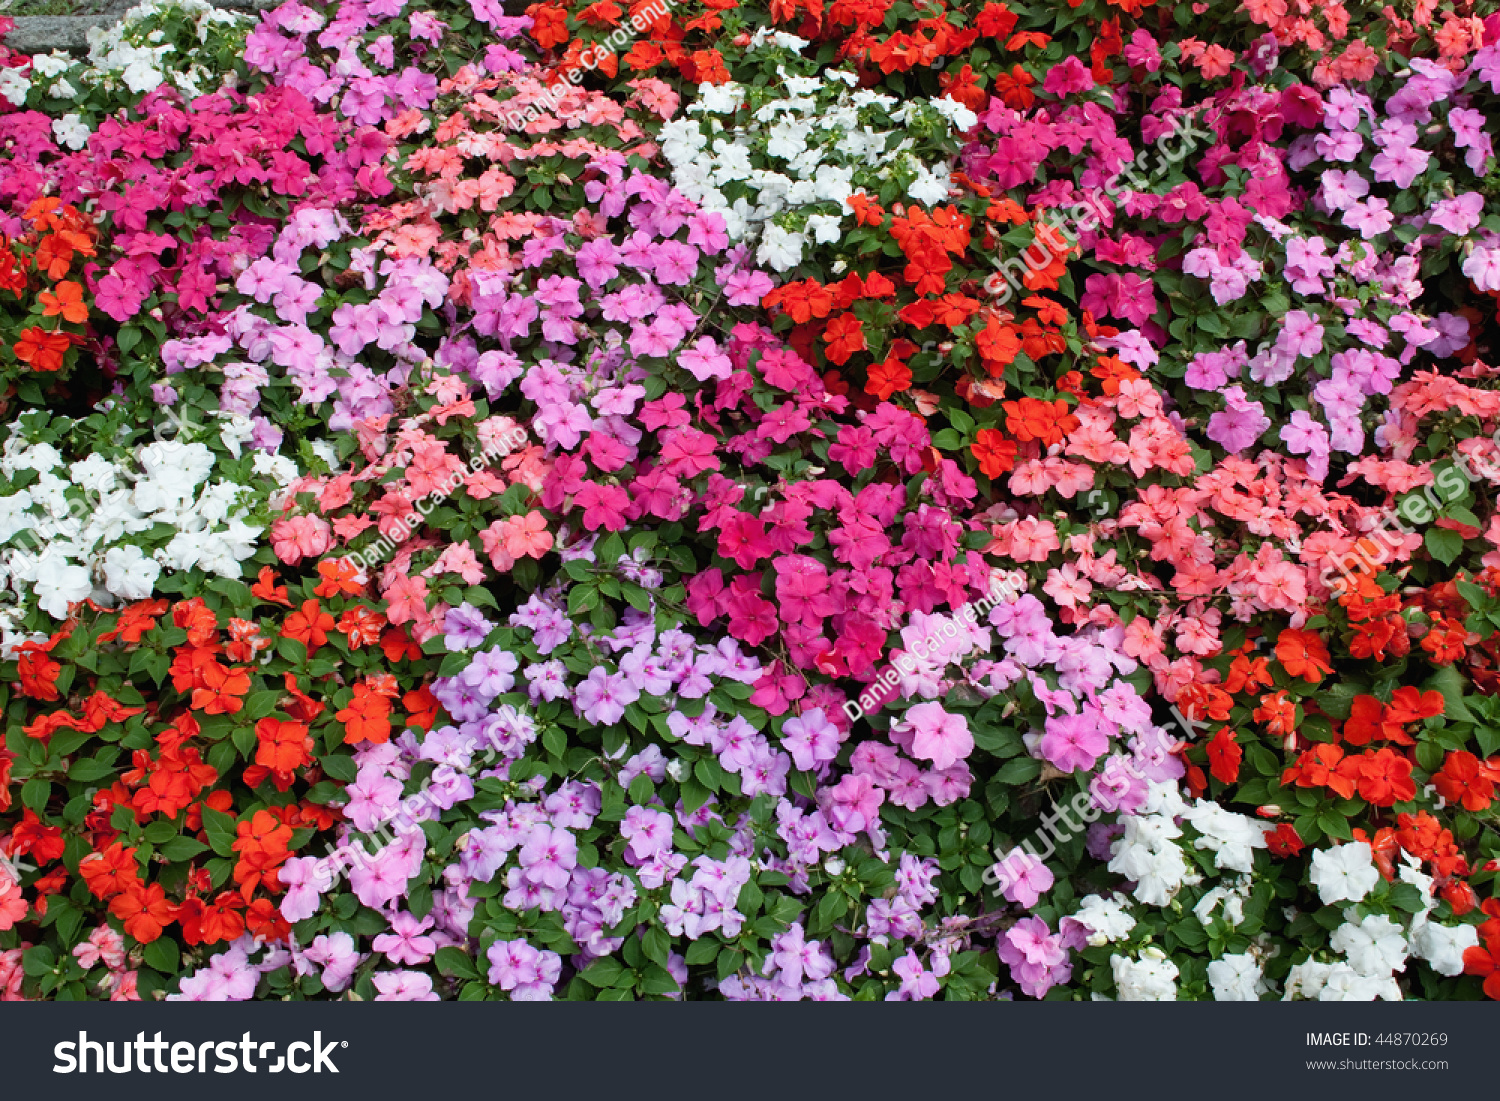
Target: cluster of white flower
{"x": 105, "y": 530}
{"x": 1152, "y": 978}
{"x": 1374, "y": 946}
{"x": 812, "y": 141}
{"x": 140, "y": 58}
{"x": 133, "y": 53}
{"x": 1105, "y": 919}
{"x": 1148, "y": 852}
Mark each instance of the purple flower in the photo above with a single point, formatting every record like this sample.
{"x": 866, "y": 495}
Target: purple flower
{"x": 465, "y": 628}
{"x": 811, "y": 739}
{"x": 648, "y": 832}
{"x": 1240, "y": 423}
{"x": 406, "y": 942}
{"x": 602, "y": 698}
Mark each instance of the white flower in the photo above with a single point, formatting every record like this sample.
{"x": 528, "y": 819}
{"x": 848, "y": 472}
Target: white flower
{"x": 1153, "y": 978}
{"x": 52, "y": 64}
{"x": 929, "y": 187}
{"x": 142, "y": 76}
{"x": 1147, "y": 854}
{"x": 1411, "y": 872}
{"x": 1232, "y": 837}
{"x": 1343, "y": 874}
{"x": 1443, "y": 946}
{"x": 1344, "y": 984}
{"x": 59, "y": 583}
{"x": 71, "y": 132}
{"x": 721, "y": 99}
{"x": 63, "y": 90}
{"x": 1237, "y": 978}
{"x": 1106, "y": 919}
{"x": 1306, "y": 980}
{"x": 14, "y": 86}
{"x": 95, "y": 474}
{"x": 15, "y": 515}
{"x": 1374, "y": 947}
{"x": 128, "y": 573}
{"x": 824, "y": 228}
{"x": 780, "y": 248}
{"x": 960, "y": 117}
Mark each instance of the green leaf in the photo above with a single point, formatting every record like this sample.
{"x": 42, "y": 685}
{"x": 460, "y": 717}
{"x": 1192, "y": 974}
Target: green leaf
{"x": 1444, "y": 545}
{"x": 161, "y": 954}
{"x": 603, "y": 972}
{"x": 182, "y": 848}
{"x": 1019, "y": 770}
{"x": 456, "y": 962}
{"x": 34, "y": 794}
{"x": 220, "y": 828}
{"x": 338, "y": 766}
{"x": 88, "y": 769}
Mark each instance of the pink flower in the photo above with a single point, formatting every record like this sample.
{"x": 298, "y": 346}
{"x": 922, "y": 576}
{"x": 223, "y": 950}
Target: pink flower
{"x": 13, "y": 906}
{"x": 408, "y": 599}
{"x": 853, "y": 805}
{"x": 527, "y": 536}
{"x": 1070, "y": 75}
{"x": 811, "y": 739}
{"x": 1023, "y": 878}
{"x": 937, "y": 735}
{"x": 103, "y": 946}
{"x": 299, "y": 537}
{"x": 1072, "y": 742}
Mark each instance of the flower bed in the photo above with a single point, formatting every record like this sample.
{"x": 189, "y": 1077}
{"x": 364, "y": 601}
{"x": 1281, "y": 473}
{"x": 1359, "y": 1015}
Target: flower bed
{"x": 753, "y": 502}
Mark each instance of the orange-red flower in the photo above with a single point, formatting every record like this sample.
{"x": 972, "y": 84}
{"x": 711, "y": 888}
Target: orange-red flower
{"x": 309, "y": 625}
{"x": 1035, "y": 419}
{"x": 1466, "y": 780}
{"x": 889, "y": 376}
{"x": 41, "y": 350}
{"x": 1224, "y": 756}
{"x": 282, "y": 746}
{"x": 67, "y": 300}
{"x": 1303, "y": 654}
{"x": 222, "y": 690}
{"x": 110, "y": 872}
{"x": 995, "y": 453}
{"x": 145, "y": 912}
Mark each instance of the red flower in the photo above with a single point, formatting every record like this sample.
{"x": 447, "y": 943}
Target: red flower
{"x": 1284, "y": 840}
{"x": 845, "y": 336}
{"x": 995, "y": 453}
{"x": 889, "y": 376}
{"x": 309, "y": 626}
{"x": 1466, "y": 780}
{"x": 1303, "y": 654}
{"x": 1385, "y": 778}
{"x": 145, "y": 912}
{"x": 1483, "y": 960}
{"x": 1224, "y": 756}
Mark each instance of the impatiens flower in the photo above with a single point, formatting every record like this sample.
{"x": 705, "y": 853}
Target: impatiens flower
{"x": 1344, "y": 873}
{"x": 937, "y": 735}
{"x": 1071, "y": 742}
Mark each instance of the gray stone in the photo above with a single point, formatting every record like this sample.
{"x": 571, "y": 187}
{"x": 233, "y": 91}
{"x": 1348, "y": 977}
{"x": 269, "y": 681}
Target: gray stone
{"x": 39, "y": 34}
